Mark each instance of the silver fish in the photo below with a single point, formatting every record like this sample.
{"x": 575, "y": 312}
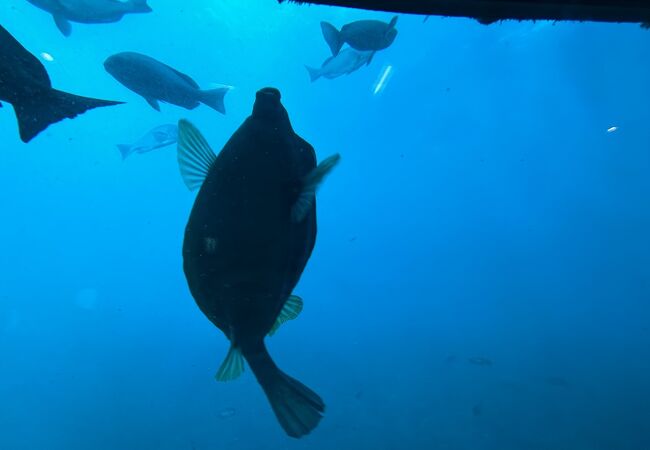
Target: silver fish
{"x": 160, "y": 136}
{"x": 345, "y": 62}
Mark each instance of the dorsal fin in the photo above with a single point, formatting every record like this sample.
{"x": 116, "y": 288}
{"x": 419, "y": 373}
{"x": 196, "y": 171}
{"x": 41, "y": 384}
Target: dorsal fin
{"x": 187, "y": 78}
{"x": 195, "y": 157}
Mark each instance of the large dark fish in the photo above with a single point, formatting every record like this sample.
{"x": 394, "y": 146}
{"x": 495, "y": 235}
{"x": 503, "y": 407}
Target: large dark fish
{"x": 89, "y": 11}
{"x": 363, "y": 35}
{"x": 156, "y": 81}
{"x": 25, "y": 84}
{"x": 249, "y": 236}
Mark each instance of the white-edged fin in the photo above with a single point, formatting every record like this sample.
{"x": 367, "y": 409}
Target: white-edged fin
{"x": 231, "y": 367}
{"x": 309, "y": 185}
{"x": 195, "y": 157}
{"x": 292, "y": 307}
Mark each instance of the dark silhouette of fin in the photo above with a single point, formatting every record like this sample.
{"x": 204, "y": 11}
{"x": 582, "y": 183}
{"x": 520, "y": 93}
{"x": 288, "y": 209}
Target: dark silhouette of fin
{"x": 62, "y": 24}
{"x": 332, "y": 37}
{"x": 37, "y": 112}
{"x": 297, "y": 408}
{"x": 125, "y": 150}
{"x": 314, "y": 74}
{"x": 140, "y": 6}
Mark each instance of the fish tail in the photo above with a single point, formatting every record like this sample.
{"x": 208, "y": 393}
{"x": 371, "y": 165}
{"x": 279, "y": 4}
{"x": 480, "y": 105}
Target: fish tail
{"x": 314, "y": 74}
{"x": 125, "y": 150}
{"x": 297, "y": 408}
{"x": 214, "y": 98}
{"x": 332, "y": 37}
{"x": 37, "y": 112}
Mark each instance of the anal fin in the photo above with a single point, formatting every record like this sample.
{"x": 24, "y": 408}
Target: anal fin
{"x": 232, "y": 367}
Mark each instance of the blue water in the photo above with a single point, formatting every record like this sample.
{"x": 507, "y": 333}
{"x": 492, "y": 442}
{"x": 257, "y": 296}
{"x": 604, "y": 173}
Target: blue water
{"x": 481, "y": 210}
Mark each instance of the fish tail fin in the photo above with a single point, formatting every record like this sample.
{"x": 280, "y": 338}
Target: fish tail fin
{"x": 141, "y": 6}
{"x": 42, "y": 109}
{"x": 332, "y": 37}
{"x": 214, "y": 98}
{"x": 297, "y": 408}
{"x": 125, "y": 150}
{"x": 314, "y": 74}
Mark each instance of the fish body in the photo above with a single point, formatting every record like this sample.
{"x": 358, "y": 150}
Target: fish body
{"x": 363, "y": 35}
{"x": 25, "y": 84}
{"x": 249, "y": 236}
{"x": 345, "y": 62}
{"x": 158, "y": 137}
{"x": 156, "y": 81}
{"x": 89, "y": 11}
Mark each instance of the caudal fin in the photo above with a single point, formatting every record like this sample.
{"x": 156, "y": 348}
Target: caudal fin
{"x": 332, "y": 37}
{"x": 297, "y": 408}
{"x": 314, "y": 74}
{"x": 37, "y": 112}
{"x": 214, "y": 98}
{"x": 125, "y": 150}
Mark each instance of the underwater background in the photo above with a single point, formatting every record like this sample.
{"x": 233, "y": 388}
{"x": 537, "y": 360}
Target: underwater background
{"x": 481, "y": 277}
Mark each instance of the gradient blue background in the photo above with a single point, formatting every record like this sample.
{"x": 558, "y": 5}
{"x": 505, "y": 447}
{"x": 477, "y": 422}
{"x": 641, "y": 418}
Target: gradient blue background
{"x": 481, "y": 209}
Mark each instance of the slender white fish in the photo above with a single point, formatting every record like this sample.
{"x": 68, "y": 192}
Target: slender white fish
{"x": 158, "y": 137}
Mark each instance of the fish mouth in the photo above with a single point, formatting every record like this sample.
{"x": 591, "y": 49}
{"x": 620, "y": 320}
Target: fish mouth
{"x": 269, "y": 94}
{"x": 268, "y": 105}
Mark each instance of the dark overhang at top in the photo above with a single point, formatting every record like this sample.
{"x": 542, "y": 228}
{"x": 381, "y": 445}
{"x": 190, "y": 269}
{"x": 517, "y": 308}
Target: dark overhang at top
{"x": 488, "y": 11}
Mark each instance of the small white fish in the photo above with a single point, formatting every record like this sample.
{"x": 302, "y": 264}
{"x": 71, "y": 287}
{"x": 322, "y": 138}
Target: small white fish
{"x": 345, "y": 62}
{"x": 47, "y": 57}
{"x": 158, "y": 137}
{"x": 612, "y": 129}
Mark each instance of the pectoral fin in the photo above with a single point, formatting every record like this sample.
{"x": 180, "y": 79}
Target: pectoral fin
{"x": 309, "y": 186}
{"x": 62, "y": 24}
{"x": 153, "y": 103}
{"x": 195, "y": 157}
{"x": 291, "y": 309}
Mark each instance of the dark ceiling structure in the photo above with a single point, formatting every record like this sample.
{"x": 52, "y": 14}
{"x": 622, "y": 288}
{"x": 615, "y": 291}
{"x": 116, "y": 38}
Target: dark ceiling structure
{"x": 489, "y": 11}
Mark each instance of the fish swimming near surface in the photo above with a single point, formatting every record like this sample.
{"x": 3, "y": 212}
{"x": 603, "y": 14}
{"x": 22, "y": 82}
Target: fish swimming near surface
{"x": 363, "y": 35}
{"x": 25, "y": 84}
{"x": 249, "y": 236}
{"x": 346, "y": 62}
{"x": 89, "y": 11}
{"x": 158, "y": 137}
{"x": 156, "y": 81}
